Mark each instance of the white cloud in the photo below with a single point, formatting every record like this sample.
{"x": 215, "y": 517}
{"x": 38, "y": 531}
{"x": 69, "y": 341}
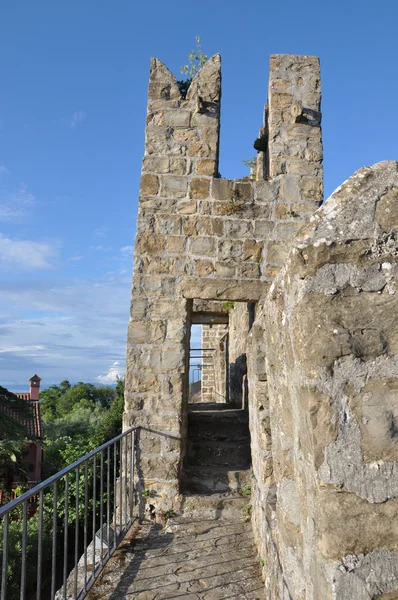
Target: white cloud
{"x": 16, "y": 205}
{"x": 77, "y": 117}
{"x": 4, "y": 170}
{"x": 81, "y": 326}
{"x": 26, "y": 254}
{"x": 115, "y": 372}
{"x": 25, "y": 349}
{"x": 101, "y": 232}
{"x": 127, "y": 250}
{"x": 75, "y": 258}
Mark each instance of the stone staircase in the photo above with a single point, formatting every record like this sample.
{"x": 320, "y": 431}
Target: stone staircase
{"x": 218, "y": 449}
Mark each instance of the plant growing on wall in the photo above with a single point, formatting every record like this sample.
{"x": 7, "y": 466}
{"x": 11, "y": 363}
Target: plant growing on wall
{"x": 196, "y": 59}
{"x": 252, "y": 164}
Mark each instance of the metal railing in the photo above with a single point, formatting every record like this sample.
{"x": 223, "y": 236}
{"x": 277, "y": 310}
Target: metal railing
{"x": 83, "y": 511}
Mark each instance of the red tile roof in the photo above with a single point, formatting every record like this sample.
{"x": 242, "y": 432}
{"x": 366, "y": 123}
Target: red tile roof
{"x": 23, "y": 395}
{"x": 33, "y": 423}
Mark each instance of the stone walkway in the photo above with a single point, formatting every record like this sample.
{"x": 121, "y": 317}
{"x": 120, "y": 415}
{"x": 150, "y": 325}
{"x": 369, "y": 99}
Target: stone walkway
{"x": 189, "y": 559}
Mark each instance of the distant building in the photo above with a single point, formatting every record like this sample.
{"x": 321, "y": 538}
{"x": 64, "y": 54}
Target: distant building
{"x": 34, "y": 425}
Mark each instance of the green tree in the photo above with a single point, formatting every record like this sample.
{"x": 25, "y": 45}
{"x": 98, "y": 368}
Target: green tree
{"x": 196, "y": 60}
{"x": 14, "y": 434}
{"x": 49, "y": 399}
{"x": 13, "y": 414}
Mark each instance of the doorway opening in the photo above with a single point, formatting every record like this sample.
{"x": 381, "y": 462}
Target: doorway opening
{"x": 217, "y": 457}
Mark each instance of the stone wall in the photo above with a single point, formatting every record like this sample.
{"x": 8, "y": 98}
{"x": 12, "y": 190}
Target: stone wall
{"x": 203, "y": 237}
{"x": 326, "y": 487}
{"x": 214, "y": 366}
{"x": 313, "y": 333}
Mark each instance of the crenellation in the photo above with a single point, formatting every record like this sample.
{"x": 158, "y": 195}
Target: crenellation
{"x": 203, "y": 241}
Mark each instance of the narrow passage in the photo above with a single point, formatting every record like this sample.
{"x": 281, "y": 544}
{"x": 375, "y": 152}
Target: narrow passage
{"x": 188, "y": 559}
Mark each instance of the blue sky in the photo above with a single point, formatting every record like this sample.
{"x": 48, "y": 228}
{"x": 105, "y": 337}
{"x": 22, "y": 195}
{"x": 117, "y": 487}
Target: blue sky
{"x": 72, "y": 112}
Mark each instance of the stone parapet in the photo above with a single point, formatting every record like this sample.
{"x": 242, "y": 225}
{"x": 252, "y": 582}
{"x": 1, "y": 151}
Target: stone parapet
{"x": 327, "y": 492}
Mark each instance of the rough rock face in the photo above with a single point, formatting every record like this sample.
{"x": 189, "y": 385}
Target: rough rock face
{"x": 324, "y": 417}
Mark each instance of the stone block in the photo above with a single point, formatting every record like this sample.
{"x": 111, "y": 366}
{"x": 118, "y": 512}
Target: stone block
{"x": 155, "y": 164}
{"x": 266, "y": 191}
{"x": 203, "y": 246}
{"x": 181, "y": 265}
{"x": 177, "y": 330}
{"x": 209, "y": 134}
{"x": 204, "y": 268}
{"x": 249, "y": 270}
{"x": 289, "y": 190}
{"x": 166, "y": 360}
{"x": 152, "y": 244}
{"x": 205, "y": 207}
{"x": 283, "y": 211}
{"x": 314, "y": 151}
{"x": 222, "y": 189}
{"x": 163, "y": 308}
{"x": 277, "y": 252}
{"x": 175, "y": 244}
{"x": 271, "y": 271}
{"x": 149, "y": 185}
{"x": 185, "y": 135}
{"x": 155, "y": 285}
{"x": 148, "y": 206}
{"x": 156, "y": 265}
{"x": 176, "y": 118}
{"x": 263, "y": 228}
{"x": 222, "y": 289}
{"x": 387, "y": 211}
{"x": 286, "y": 231}
{"x": 201, "y": 150}
{"x": 237, "y": 228}
{"x": 225, "y": 270}
{"x": 280, "y": 100}
{"x": 300, "y": 132}
{"x": 212, "y": 226}
{"x": 174, "y": 186}
{"x": 208, "y": 119}
{"x": 178, "y": 166}
{"x": 146, "y": 332}
{"x": 313, "y": 169}
{"x": 186, "y": 207}
{"x": 168, "y": 225}
{"x": 243, "y": 191}
{"x": 252, "y": 250}
{"x": 311, "y": 188}
{"x": 141, "y": 382}
{"x": 230, "y": 250}
{"x": 191, "y": 226}
{"x": 138, "y": 308}
{"x": 199, "y": 188}
{"x": 206, "y": 166}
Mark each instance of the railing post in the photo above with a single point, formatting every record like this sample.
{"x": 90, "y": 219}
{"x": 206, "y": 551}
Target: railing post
{"x": 40, "y": 547}
{"x": 4, "y": 568}
{"x": 66, "y": 529}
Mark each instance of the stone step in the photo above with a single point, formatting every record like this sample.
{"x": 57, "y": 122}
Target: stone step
{"x": 213, "y": 480}
{"x": 210, "y": 452}
{"x": 232, "y": 506}
{"x": 218, "y": 425}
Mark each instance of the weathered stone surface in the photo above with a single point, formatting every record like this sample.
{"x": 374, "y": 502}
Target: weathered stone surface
{"x": 222, "y": 289}
{"x": 199, "y": 188}
{"x": 149, "y": 185}
{"x": 328, "y": 332}
{"x": 201, "y": 237}
{"x": 189, "y": 558}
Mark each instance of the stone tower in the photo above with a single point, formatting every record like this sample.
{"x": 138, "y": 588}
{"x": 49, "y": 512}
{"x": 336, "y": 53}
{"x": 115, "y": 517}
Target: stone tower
{"x": 202, "y": 239}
